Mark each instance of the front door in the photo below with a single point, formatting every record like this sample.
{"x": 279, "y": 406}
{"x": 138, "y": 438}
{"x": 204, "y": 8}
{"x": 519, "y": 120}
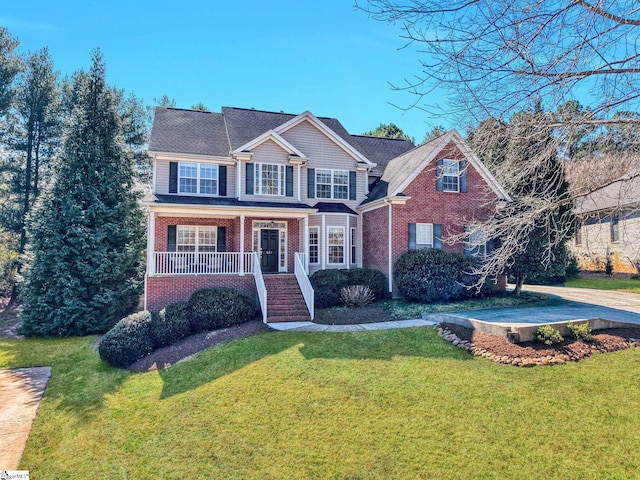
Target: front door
{"x": 269, "y": 247}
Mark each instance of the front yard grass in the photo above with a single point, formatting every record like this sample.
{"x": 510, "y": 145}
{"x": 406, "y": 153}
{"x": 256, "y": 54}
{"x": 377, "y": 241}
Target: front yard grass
{"x": 369, "y": 405}
{"x": 605, "y": 283}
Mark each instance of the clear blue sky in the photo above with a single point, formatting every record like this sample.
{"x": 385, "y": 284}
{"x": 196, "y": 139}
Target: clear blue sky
{"x": 321, "y": 56}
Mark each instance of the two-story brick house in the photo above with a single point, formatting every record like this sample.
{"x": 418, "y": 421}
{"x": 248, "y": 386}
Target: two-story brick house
{"x": 243, "y": 194}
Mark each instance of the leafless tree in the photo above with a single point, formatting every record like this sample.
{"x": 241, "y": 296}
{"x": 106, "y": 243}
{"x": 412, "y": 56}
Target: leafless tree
{"x": 501, "y": 57}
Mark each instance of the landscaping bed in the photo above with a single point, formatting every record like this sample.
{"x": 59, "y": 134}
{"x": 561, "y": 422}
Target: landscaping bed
{"x": 526, "y": 354}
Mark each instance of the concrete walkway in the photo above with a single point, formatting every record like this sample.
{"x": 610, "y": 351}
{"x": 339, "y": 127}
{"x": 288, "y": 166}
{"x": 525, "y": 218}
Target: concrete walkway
{"x": 317, "y": 327}
{"x": 20, "y": 393}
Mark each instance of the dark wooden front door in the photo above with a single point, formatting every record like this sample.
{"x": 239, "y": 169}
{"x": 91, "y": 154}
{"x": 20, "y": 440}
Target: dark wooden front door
{"x": 269, "y": 246}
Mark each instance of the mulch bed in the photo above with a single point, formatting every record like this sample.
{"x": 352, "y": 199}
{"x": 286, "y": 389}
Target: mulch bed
{"x": 527, "y": 354}
{"x": 351, "y": 316}
{"x": 167, "y": 356}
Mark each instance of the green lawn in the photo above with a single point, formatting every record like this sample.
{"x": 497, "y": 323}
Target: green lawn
{"x": 626, "y": 285}
{"x": 393, "y": 404}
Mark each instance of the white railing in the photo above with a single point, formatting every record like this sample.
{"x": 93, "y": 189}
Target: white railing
{"x": 304, "y": 283}
{"x": 260, "y": 286}
{"x": 203, "y": 263}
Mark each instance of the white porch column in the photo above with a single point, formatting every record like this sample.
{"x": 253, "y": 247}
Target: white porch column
{"x": 241, "y": 244}
{"x": 151, "y": 244}
{"x": 322, "y": 249}
{"x": 305, "y": 241}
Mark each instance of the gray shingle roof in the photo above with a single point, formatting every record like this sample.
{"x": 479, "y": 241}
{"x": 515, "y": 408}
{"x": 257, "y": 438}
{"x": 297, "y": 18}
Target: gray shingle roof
{"x": 219, "y": 202}
{"x": 188, "y": 131}
{"x": 326, "y": 207}
{"x": 381, "y": 150}
{"x": 625, "y": 192}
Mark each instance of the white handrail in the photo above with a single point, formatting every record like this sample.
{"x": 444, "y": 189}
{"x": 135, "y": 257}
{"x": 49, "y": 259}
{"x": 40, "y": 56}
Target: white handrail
{"x": 260, "y": 286}
{"x": 304, "y": 283}
{"x": 203, "y": 263}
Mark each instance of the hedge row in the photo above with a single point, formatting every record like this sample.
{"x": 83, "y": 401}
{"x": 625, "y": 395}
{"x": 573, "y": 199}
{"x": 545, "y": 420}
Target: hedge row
{"x": 327, "y": 284}
{"x": 136, "y": 336}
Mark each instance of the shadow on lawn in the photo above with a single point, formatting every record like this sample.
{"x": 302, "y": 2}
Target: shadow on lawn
{"x": 375, "y": 345}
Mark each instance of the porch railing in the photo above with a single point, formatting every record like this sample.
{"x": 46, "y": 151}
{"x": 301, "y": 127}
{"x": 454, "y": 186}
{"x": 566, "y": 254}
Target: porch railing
{"x": 304, "y": 283}
{"x": 203, "y": 263}
{"x": 260, "y": 286}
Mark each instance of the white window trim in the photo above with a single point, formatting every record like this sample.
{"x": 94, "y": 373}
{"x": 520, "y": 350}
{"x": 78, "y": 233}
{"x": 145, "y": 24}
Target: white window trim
{"x": 197, "y": 237}
{"x": 198, "y": 178}
{"x": 317, "y": 244}
{"x": 329, "y": 245}
{"x": 257, "y": 180}
{"x": 429, "y": 227}
{"x": 332, "y": 184}
{"x": 446, "y": 161}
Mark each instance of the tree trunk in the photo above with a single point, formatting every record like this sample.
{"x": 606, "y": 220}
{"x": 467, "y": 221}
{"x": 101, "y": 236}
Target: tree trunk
{"x": 519, "y": 283}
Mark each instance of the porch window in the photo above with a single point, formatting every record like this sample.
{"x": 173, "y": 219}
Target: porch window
{"x": 353, "y": 245}
{"x": 450, "y": 175}
{"x": 269, "y": 179}
{"x": 313, "y": 244}
{"x": 424, "y": 235}
{"x": 335, "y": 244}
{"x": 332, "y": 184}
{"x": 196, "y": 238}
{"x": 198, "y": 178}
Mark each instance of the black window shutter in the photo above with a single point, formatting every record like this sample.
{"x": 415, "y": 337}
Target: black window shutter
{"x": 439, "y": 172}
{"x": 221, "y": 242}
{"x": 171, "y": 238}
{"x": 412, "y": 236}
{"x": 311, "y": 183}
{"x": 249, "y": 179}
{"x": 467, "y": 241}
{"x": 352, "y": 185}
{"x": 437, "y": 236}
{"x": 463, "y": 175}
{"x": 173, "y": 177}
{"x": 222, "y": 180}
{"x": 491, "y": 245}
{"x": 289, "y": 178}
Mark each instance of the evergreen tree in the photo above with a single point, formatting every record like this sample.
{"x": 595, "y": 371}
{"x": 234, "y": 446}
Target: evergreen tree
{"x": 87, "y": 230}
{"x": 390, "y": 130}
{"x": 10, "y": 65}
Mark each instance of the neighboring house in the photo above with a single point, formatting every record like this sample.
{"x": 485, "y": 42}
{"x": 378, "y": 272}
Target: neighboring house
{"x": 243, "y": 194}
{"x": 609, "y": 226}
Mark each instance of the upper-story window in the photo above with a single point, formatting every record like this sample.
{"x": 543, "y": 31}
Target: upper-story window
{"x": 269, "y": 179}
{"x": 332, "y": 184}
{"x": 198, "y": 178}
{"x": 450, "y": 175}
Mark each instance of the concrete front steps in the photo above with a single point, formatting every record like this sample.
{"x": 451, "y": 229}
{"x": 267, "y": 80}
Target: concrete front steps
{"x": 285, "y": 302}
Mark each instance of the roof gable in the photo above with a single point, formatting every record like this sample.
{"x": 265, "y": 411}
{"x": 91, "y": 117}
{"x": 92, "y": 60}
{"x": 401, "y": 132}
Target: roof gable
{"x": 270, "y": 136}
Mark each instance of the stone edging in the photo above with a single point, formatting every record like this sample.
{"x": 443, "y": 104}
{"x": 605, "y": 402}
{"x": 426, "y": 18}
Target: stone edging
{"x": 451, "y": 337}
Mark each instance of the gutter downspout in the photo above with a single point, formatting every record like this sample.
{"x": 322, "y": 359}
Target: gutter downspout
{"x": 389, "y": 244}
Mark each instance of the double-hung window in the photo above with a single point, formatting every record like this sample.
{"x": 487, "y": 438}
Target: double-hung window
{"x": 424, "y": 235}
{"x": 313, "y": 244}
{"x": 335, "y": 244}
{"x": 615, "y": 228}
{"x": 196, "y": 238}
{"x": 478, "y": 244}
{"x": 450, "y": 175}
{"x": 198, "y": 178}
{"x": 332, "y": 184}
{"x": 269, "y": 179}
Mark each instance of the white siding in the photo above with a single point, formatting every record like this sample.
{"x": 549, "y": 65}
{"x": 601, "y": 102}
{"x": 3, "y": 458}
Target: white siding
{"x": 270, "y": 152}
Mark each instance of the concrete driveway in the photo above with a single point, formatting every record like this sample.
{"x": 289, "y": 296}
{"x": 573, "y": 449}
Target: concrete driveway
{"x": 567, "y": 304}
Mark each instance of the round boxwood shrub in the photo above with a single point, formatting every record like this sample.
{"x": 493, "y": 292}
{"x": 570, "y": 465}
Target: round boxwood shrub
{"x": 327, "y": 285}
{"x": 431, "y": 275}
{"x": 170, "y": 325}
{"x": 369, "y": 277}
{"x": 212, "y": 308}
{"x": 129, "y": 340}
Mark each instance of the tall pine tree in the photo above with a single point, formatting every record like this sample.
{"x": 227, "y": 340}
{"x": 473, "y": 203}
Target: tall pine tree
{"x": 87, "y": 230}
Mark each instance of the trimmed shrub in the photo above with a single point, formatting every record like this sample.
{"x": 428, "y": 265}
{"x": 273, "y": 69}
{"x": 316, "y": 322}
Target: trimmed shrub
{"x": 581, "y": 332}
{"x": 356, "y": 295}
{"x": 170, "y": 325}
{"x": 212, "y": 308}
{"x": 431, "y": 275}
{"x": 327, "y": 285}
{"x": 548, "y": 335}
{"x": 128, "y": 341}
{"x": 369, "y": 277}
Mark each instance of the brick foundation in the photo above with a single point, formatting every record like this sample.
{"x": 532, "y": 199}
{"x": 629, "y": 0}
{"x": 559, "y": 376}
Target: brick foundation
{"x": 163, "y": 290}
